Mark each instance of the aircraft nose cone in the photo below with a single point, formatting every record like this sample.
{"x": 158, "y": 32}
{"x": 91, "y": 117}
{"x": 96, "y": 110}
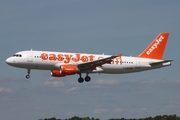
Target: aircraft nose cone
{"x": 9, "y": 61}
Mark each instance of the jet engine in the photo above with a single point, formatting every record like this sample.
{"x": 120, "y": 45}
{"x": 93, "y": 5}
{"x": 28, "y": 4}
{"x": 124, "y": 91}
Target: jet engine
{"x": 57, "y": 73}
{"x": 64, "y": 70}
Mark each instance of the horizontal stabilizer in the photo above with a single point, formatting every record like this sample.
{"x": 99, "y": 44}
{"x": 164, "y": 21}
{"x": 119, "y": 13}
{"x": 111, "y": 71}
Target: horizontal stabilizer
{"x": 159, "y": 63}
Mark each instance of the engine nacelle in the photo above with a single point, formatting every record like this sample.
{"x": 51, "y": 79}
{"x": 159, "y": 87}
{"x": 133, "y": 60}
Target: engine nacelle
{"x": 68, "y": 69}
{"x": 64, "y": 70}
{"x": 57, "y": 73}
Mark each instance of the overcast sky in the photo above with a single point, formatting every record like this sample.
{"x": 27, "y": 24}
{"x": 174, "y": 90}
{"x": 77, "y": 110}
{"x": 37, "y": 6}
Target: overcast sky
{"x": 109, "y": 27}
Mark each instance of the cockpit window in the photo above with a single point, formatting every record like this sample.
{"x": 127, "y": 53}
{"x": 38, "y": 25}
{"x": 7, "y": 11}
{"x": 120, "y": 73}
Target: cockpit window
{"x": 17, "y": 55}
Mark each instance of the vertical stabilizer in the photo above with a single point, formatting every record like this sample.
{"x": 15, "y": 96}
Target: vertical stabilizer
{"x": 156, "y": 49}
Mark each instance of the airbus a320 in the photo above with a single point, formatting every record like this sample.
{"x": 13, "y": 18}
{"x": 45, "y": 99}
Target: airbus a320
{"x": 62, "y": 64}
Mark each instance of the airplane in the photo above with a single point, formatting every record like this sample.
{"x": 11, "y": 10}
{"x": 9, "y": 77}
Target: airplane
{"x": 62, "y": 64}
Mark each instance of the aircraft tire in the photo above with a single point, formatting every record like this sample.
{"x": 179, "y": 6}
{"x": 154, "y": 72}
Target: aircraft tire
{"x": 87, "y": 78}
{"x": 80, "y": 80}
{"x": 27, "y": 76}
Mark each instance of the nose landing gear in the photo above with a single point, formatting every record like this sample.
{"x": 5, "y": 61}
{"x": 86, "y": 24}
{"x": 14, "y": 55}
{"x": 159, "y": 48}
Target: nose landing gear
{"x": 28, "y": 75}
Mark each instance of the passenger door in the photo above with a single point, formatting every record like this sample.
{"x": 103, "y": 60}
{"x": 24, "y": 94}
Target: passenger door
{"x": 30, "y": 57}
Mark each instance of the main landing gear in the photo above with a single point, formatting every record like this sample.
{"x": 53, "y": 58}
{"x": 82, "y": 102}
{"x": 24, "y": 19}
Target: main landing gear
{"x": 81, "y": 80}
{"x": 28, "y": 75}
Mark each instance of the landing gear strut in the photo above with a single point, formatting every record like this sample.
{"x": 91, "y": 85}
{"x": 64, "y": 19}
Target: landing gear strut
{"x": 28, "y": 75}
{"x": 80, "y": 79}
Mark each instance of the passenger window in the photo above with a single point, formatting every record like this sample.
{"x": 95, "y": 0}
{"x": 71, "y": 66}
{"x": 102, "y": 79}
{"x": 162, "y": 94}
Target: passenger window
{"x": 17, "y": 55}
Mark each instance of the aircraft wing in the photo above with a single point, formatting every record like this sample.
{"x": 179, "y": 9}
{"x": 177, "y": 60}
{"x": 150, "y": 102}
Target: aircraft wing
{"x": 159, "y": 63}
{"x": 96, "y": 63}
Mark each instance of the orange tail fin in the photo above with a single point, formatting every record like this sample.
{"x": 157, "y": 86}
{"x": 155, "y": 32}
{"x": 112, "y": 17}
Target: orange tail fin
{"x": 156, "y": 49}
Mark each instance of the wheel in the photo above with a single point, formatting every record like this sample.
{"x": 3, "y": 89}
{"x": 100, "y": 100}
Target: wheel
{"x": 27, "y": 76}
{"x": 87, "y": 78}
{"x": 28, "y": 73}
{"x": 80, "y": 80}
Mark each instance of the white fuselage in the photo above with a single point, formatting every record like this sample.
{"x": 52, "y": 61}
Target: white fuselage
{"x": 62, "y": 64}
{"x": 46, "y": 60}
